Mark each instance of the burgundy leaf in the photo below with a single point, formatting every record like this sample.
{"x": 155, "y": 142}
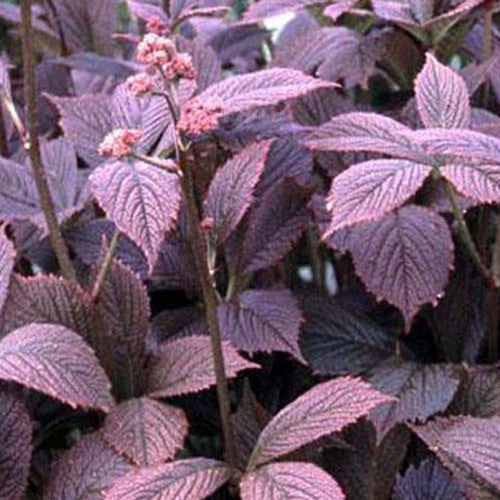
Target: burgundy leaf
{"x": 421, "y": 391}
{"x": 124, "y": 303}
{"x": 369, "y": 190}
{"x": 140, "y": 199}
{"x": 442, "y": 96}
{"x": 337, "y": 340}
{"x": 297, "y": 480}
{"x": 263, "y": 320}
{"x": 404, "y": 258}
{"x": 263, "y": 88}
{"x": 146, "y": 431}
{"x": 86, "y": 470}
{"x": 395, "y": 11}
{"x": 15, "y": 452}
{"x": 365, "y": 132}
{"x": 324, "y": 409}
{"x": 185, "y": 365}
{"x": 56, "y": 361}
{"x": 477, "y": 181}
{"x": 231, "y": 191}
{"x": 194, "y": 478}
{"x": 7, "y": 261}
{"x": 429, "y": 480}
{"x": 268, "y": 8}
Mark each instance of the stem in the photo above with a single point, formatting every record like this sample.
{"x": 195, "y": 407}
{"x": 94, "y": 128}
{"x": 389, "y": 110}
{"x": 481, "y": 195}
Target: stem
{"x": 316, "y": 260}
{"x": 210, "y": 300}
{"x": 106, "y": 264}
{"x": 33, "y": 145}
{"x": 464, "y": 233}
{"x": 486, "y": 49}
{"x": 158, "y": 162}
{"x": 166, "y": 7}
{"x": 4, "y": 143}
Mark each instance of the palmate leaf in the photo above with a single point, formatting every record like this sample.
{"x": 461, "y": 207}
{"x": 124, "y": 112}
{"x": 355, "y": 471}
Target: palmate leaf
{"x": 324, "y": 409}
{"x": 185, "y": 365}
{"x": 140, "y": 199}
{"x": 195, "y": 478}
{"x": 360, "y": 131}
{"x": 297, "y": 480}
{"x": 429, "y": 480}
{"x": 262, "y": 88}
{"x": 442, "y": 96}
{"x": 146, "y": 431}
{"x": 86, "y": 470}
{"x": 369, "y": 190}
{"x": 15, "y": 452}
{"x": 262, "y": 320}
{"x": 56, "y": 361}
{"x": 231, "y": 191}
{"x": 404, "y": 258}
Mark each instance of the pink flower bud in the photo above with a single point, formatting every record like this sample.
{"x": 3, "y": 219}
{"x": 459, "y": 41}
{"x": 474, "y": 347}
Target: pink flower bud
{"x": 119, "y": 142}
{"x": 199, "y": 117}
{"x": 140, "y": 84}
{"x": 156, "y": 25}
{"x": 155, "y": 50}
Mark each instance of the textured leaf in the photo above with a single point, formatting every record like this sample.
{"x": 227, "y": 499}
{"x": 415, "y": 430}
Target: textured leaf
{"x": 369, "y": 190}
{"x": 140, "y": 199}
{"x": 262, "y": 88}
{"x": 15, "y": 452}
{"x": 338, "y": 340}
{"x": 365, "y": 132}
{"x": 86, "y": 470}
{"x": 324, "y": 409}
{"x": 404, "y": 258}
{"x": 429, "y": 480}
{"x": 262, "y": 320}
{"x": 193, "y": 479}
{"x": 395, "y": 11}
{"x": 7, "y": 261}
{"x": 268, "y": 8}
{"x": 231, "y": 191}
{"x": 422, "y": 391}
{"x": 185, "y": 365}
{"x": 56, "y": 361}
{"x": 442, "y": 96}
{"x": 294, "y": 480}
{"x": 124, "y": 303}
{"x": 145, "y": 431}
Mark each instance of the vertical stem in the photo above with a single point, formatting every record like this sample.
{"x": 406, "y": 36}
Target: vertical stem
{"x": 166, "y": 6}
{"x": 106, "y": 264}
{"x": 317, "y": 266}
{"x": 210, "y": 300}
{"x": 4, "y": 143}
{"x": 33, "y": 145}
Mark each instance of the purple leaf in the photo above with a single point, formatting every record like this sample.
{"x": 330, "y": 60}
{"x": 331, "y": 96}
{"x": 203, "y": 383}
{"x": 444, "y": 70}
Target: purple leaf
{"x": 442, "y": 96}
{"x": 140, "y": 199}
{"x": 365, "y": 132}
{"x": 290, "y": 480}
{"x": 268, "y": 8}
{"x": 231, "y": 191}
{"x": 15, "y": 453}
{"x": 263, "y": 320}
{"x": 185, "y": 365}
{"x": 194, "y": 478}
{"x": 56, "y": 361}
{"x": 337, "y": 340}
{"x": 7, "y": 262}
{"x": 404, "y": 258}
{"x": 429, "y": 480}
{"x": 367, "y": 191}
{"x": 86, "y": 470}
{"x": 395, "y": 11}
{"x": 324, "y": 409}
{"x": 146, "y": 431}
{"x": 262, "y": 88}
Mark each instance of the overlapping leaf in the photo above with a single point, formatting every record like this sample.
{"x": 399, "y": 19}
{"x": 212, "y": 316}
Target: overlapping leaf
{"x": 87, "y": 470}
{"x": 15, "y": 452}
{"x": 145, "y": 431}
{"x": 55, "y": 360}
{"x": 369, "y": 190}
{"x": 404, "y": 258}
{"x": 297, "y": 480}
{"x": 231, "y": 191}
{"x": 195, "y": 478}
{"x": 267, "y": 8}
{"x": 326, "y": 408}
{"x": 140, "y": 199}
{"x": 442, "y": 96}
{"x": 263, "y": 320}
{"x": 7, "y": 261}
{"x": 185, "y": 365}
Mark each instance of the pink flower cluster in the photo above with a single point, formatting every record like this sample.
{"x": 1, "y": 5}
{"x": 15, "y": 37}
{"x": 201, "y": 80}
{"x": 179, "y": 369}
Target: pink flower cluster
{"x": 154, "y": 24}
{"x": 155, "y": 50}
{"x": 198, "y": 117}
{"x": 140, "y": 84}
{"x": 180, "y": 66}
{"x": 119, "y": 142}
